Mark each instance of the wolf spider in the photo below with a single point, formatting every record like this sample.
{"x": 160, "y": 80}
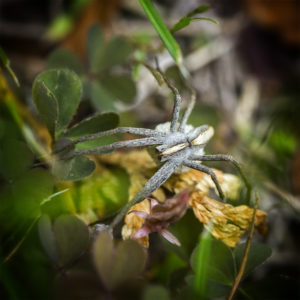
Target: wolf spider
{"x": 178, "y": 145}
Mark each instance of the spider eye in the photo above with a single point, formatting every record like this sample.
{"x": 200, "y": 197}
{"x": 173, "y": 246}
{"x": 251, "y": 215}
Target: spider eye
{"x": 204, "y": 136}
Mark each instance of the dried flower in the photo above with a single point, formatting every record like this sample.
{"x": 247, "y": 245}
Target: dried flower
{"x": 159, "y": 217}
{"x": 226, "y": 222}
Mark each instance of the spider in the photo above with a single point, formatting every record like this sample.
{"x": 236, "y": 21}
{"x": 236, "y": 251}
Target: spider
{"x": 178, "y": 144}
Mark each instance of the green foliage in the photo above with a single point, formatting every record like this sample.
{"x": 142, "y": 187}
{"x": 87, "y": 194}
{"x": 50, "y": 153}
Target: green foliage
{"x": 93, "y": 124}
{"x": 116, "y": 52}
{"x": 65, "y": 239}
{"x": 223, "y": 264}
{"x": 258, "y": 253}
{"x": 64, "y": 22}
{"x": 162, "y": 30}
{"x": 98, "y": 196}
{"x": 103, "y": 194}
{"x": 117, "y": 264}
{"x": 102, "y": 84}
{"x": 47, "y": 106}
{"x": 186, "y": 20}
{"x": 57, "y": 94}
{"x": 30, "y": 190}
{"x": 65, "y": 58}
{"x": 283, "y": 142}
{"x": 81, "y": 167}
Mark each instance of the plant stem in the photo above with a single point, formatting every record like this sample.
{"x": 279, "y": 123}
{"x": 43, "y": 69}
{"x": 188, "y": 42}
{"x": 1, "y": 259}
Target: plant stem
{"x": 246, "y": 252}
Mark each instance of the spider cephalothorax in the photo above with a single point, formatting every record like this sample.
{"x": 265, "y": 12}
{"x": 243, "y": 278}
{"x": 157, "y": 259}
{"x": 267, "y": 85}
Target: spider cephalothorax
{"x": 178, "y": 144}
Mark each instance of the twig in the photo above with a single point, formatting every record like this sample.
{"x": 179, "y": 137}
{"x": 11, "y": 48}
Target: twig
{"x": 246, "y": 252}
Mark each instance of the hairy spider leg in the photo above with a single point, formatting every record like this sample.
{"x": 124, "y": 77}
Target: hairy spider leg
{"x": 149, "y": 141}
{"x": 198, "y": 166}
{"x": 188, "y": 112}
{"x": 152, "y": 184}
{"x": 228, "y": 158}
{"x": 177, "y": 101}
{"x": 132, "y": 130}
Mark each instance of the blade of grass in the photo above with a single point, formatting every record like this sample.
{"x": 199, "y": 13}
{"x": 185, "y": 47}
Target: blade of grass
{"x": 202, "y": 261}
{"x": 162, "y": 30}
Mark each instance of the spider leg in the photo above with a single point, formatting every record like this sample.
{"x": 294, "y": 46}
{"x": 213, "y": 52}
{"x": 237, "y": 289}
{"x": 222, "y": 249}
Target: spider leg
{"x": 132, "y": 130}
{"x": 152, "y": 184}
{"x": 224, "y": 157}
{"x": 188, "y": 111}
{"x": 149, "y": 141}
{"x": 177, "y": 100}
{"x": 198, "y": 166}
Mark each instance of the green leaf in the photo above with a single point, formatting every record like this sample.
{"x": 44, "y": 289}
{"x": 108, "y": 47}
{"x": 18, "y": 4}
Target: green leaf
{"x": 95, "y": 46}
{"x": 70, "y": 169}
{"x": 61, "y": 167}
{"x": 15, "y": 159}
{"x": 116, "y": 266}
{"x": 47, "y": 237}
{"x": 63, "y": 58}
{"x": 71, "y": 236}
{"x": 101, "y": 98}
{"x": 187, "y": 19}
{"x": 94, "y": 124}
{"x": 162, "y": 30}
{"x": 81, "y": 168}
{"x": 6, "y": 63}
{"x": 103, "y": 193}
{"x": 221, "y": 264}
{"x": 121, "y": 87}
{"x": 103, "y": 254}
{"x": 60, "y": 27}
{"x": 129, "y": 261}
{"x": 258, "y": 253}
{"x": 61, "y": 85}
{"x": 155, "y": 292}
{"x": 46, "y": 104}
{"x": 97, "y": 143}
{"x": 116, "y": 52}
